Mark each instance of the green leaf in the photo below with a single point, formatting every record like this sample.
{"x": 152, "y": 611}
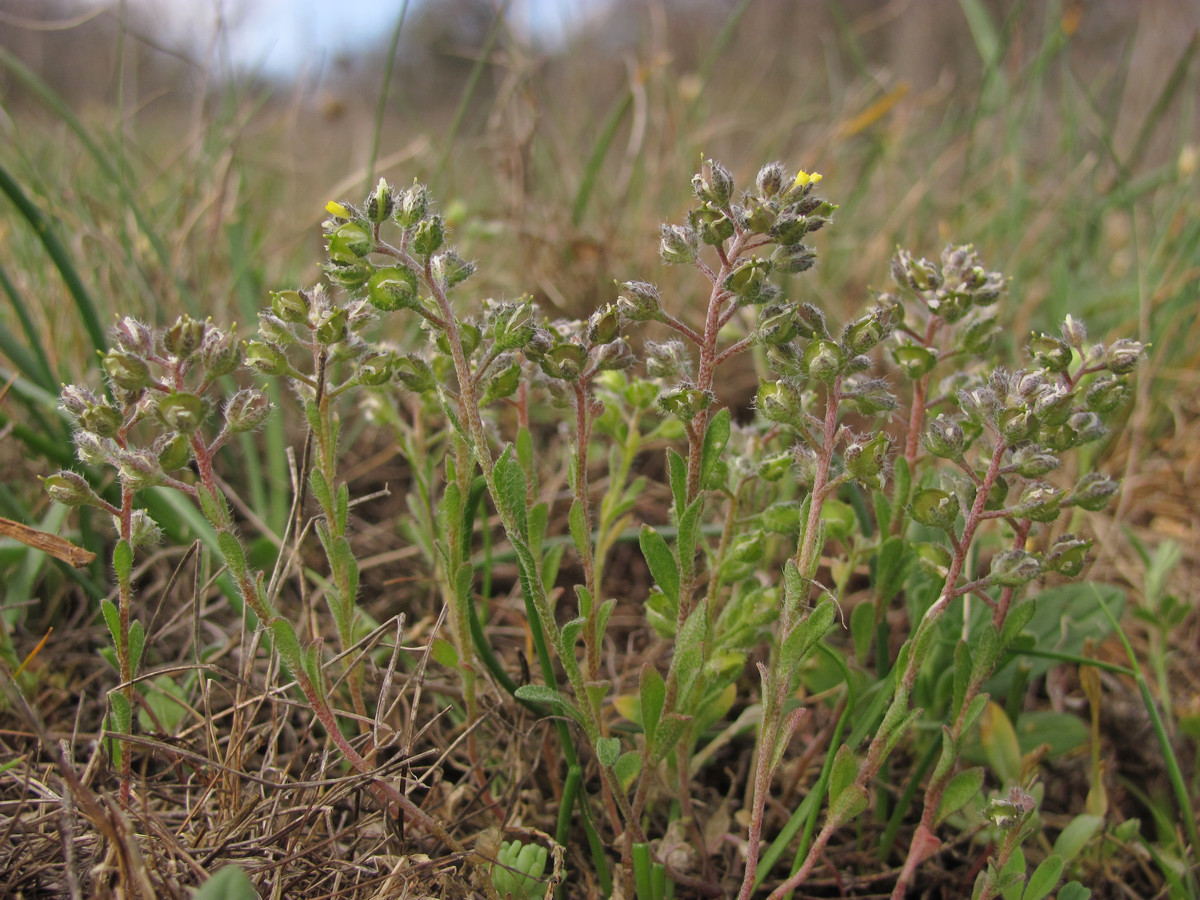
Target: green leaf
{"x": 807, "y": 633}
{"x": 510, "y": 480}
{"x": 123, "y": 561}
{"x": 232, "y": 553}
{"x": 444, "y": 653}
{"x": 891, "y": 568}
{"x": 627, "y": 768}
{"x": 845, "y": 769}
{"x": 852, "y": 801}
{"x": 568, "y": 635}
{"x": 999, "y": 741}
{"x": 167, "y": 701}
{"x": 1011, "y": 879}
{"x": 541, "y": 693}
{"x": 286, "y": 642}
{"x": 1073, "y": 890}
{"x": 112, "y": 618}
{"x": 689, "y": 524}
{"x": 608, "y": 751}
{"x": 715, "y": 439}
{"x": 862, "y": 628}
{"x": 229, "y": 883}
{"x": 1072, "y": 839}
{"x": 962, "y": 675}
{"x": 606, "y": 609}
{"x": 653, "y": 691}
{"x": 670, "y": 730}
{"x": 320, "y": 488}
{"x": 677, "y": 472}
{"x": 122, "y": 713}
{"x": 137, "y": 640}
{"x": 962, "y": 787}
{"x": 580, "y": 533}
{"x": 1044, "y": 878}
{"x": 661, "y": 562}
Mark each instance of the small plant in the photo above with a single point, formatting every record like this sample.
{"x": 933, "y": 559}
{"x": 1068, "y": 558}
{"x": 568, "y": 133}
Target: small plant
{"x": 890, "y": 467}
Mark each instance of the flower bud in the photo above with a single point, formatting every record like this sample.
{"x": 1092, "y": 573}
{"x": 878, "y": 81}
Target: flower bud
{"x": 1032, "y": 461}
{"x": 1040, "y": 502}
{"x": 1093, "y": 492}
{"x": 977, "y": 404}
{"x": 944, "y": 438}
{"x": 392, "y": 288}
{"x": 865, "y": 332}
{"x": 810, "y": 321}
{"x": 713, "y": 184}
{"x": 1123, "y": 356}
{"x": 143, "y": 531}
{"x": 351, "y": 276}
{"x": 564, "y": 361}
{"x": 1017, "y": 424}
{"x": 449, "y": 269}
{"x": 139, "y": 469}
{"x": 749, "y": 281}
{"x": 867, "y": 462}
{"x": 1053, "y": 406}
{"x": 934, "y": 508}
{"x": 678, "y": 244}
{"x": 667, "y": 359}
{"x": 134, "y": 337}
{"x": 504, "y": 384}
{"x": 685, "y": 402}
{"x": 266, "y": 358}
{"x": 775, "y": 467}
{"x": 760, "y": 217}
{"x": 221, "y": 353}
{"x": 794, "y": 260}
{"x": 101, "y": 419}
{"x": 330, "y": 325}
{"x": 776, "y": 323}
{"x": 181, "y": 411}
{"x": 790, "y": 228}
{"x": 823, "y": 361}
{"x": 174, "y": 453}
{"x": 349, "y": 243}
{"x": 915, "y": 274}
{"x": 127, "y": 371}
{"x": 934, "y": 559}
{"x": 914, "y": 360}
{"x": 1067, "y": 555}
{"x": 76, "y": 399}
{"x": 290, "y": 306}
{"x": 604, "y": 325}
{"x": 712, "y": 227}
{"x": 93, "y": 450}
{"x": 1051, "y": 353}
{"x": 639, "y": 302}
{"x": 413, "y": 205}
{"x": 428, "y": 237}
{"x": 70, "y": 489}
{"x": 770, "y": 180}
{"x": 414, "y": 374}
{"x": 781, "y": 401}
{"x": 374, "y": 369}
{"x": 379, "y": 203}
{"x": 1074, "y": 332}
{"x": 1013, "y": 568}
{"x": 510, "y": 327}
{"x": 1106, "y": 393}
{"x": 1086, "y": 427}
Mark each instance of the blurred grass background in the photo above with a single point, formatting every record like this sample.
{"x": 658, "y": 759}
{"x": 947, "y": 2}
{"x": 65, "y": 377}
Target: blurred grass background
{"x": 148, "y": 178}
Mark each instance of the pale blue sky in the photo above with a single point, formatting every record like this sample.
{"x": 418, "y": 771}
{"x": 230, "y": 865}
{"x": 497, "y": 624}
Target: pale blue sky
{"x": 284, "y": 37}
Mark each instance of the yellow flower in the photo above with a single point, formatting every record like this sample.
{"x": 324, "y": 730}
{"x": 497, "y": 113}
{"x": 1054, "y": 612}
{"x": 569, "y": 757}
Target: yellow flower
{"x": 805, "y": 178}
{"x": 336, "y": 209}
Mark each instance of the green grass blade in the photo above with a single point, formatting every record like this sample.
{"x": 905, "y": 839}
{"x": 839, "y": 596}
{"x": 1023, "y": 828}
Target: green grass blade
{"x": 591, "y": 172}
{"x": 58, "y": 254}
{"x": 30, "y": 358}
